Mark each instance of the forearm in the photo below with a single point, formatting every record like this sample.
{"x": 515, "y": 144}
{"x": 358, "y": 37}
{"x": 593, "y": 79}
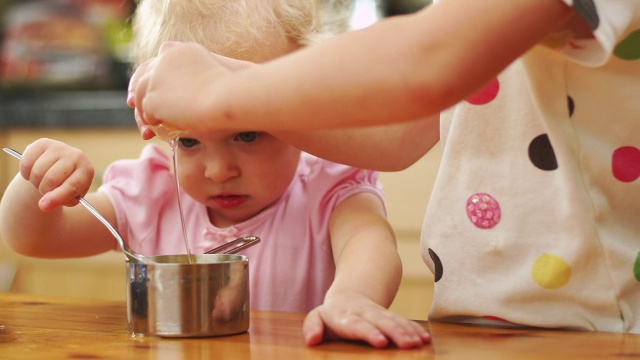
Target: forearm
{"x": 23, "y": 226}
{"x": 383, "y": 148}
{"x": 373, "y": 270}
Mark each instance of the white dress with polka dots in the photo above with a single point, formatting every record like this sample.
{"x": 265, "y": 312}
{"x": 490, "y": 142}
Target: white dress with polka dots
{"x": 535, "y": 216}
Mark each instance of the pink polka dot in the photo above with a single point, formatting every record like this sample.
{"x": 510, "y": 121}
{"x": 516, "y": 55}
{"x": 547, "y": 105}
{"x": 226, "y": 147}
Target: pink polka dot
{"x": 625, "y": 163}
{"x": 486, "y": 94}
{"x": 483, "y": 210}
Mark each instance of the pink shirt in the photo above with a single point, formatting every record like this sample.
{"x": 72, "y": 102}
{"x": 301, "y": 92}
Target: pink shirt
{"x": 290, "y": 269}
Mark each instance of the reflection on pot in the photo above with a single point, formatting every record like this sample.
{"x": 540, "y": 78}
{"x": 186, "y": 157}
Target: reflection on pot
{"x": 174, "y": 298}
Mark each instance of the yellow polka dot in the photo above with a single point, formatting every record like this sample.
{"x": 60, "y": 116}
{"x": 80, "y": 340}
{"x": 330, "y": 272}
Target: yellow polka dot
{"x": 551, "y": 272}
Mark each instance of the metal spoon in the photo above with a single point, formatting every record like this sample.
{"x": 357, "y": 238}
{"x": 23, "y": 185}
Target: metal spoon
{"x": 128, "y": 252}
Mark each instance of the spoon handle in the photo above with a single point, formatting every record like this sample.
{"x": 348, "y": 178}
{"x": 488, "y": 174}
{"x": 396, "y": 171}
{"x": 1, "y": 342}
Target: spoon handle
{"x": 13, "y": 153}
{"x": 125, "y": 248}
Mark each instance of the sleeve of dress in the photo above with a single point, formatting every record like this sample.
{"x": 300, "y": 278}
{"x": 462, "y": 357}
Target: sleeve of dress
{"x": 332, "y": 183}
{"x": 138, "y": 189}
{"x": 612, "y": 24}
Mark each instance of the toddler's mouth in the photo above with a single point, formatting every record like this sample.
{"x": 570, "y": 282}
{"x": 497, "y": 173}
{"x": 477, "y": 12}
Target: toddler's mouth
{"x": 229, "y": 201}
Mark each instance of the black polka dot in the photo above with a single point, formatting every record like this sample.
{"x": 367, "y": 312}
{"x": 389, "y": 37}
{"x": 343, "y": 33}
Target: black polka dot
{"x": 541, "y": 153}
{"x": 437, "y": 265}
{"x": 570, "y": 105}
{"x": 587, "y": 9}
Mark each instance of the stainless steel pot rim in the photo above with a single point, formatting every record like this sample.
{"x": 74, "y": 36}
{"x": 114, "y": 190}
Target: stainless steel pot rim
{"x": 199, "y": 259}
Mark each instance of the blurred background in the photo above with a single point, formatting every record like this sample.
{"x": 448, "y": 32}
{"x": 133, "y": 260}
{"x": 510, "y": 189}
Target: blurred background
{"x": 64, "y": 69}
{"x": 84, "y": 44}
{"x": 65, "y": 44}
{"x": 66, "y": 62}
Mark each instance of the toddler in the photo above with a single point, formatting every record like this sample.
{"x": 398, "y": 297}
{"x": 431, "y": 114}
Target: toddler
{"x": 326, "y": 246}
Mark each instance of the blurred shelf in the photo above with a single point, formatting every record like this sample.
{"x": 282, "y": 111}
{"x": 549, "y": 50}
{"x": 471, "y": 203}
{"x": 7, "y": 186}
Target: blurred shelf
{"x": 65, "y": 109}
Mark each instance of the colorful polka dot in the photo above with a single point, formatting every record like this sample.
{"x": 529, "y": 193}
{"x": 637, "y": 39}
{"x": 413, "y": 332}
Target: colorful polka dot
{"x": 541, "y": 153}
{"x": 495, "y": 318}
{"x": 625, "y": 163}
{"x": 486, "y": 94}
{"x": 483, "y": 210}
{"x": 551, "y": 271}
{"x": 437, "y": 265}
{"x": 629, "y": 47}
{"x": 636, "y": 267}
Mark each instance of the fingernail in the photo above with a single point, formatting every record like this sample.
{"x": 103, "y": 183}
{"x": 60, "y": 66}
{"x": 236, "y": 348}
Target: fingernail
{"x": 44, "y": 204}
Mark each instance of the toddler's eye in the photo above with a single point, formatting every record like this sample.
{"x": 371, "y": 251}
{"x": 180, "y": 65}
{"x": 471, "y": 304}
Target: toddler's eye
{"x": 188, "y": 143}
{"x": 248, "y": 137}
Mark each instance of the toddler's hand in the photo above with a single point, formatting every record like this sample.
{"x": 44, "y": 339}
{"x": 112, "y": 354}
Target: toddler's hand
{"x": 60, "y": 172}
{"x": 355, "y": 317}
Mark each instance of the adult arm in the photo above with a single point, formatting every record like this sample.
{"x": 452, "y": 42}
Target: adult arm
{"x": 397, "y": 70}
{"x": 391, "y": 147}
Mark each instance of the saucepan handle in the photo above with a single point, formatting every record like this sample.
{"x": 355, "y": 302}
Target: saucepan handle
{"x": 234, "y": 246}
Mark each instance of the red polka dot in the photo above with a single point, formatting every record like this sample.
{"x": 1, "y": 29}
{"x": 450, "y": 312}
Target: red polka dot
{"x": 483, "y": 210}
{"x": 486, "y": 94}
{"x": 576, "y": 46}
{"x": 625, "y": 163}
{"x": 491, "y": 317}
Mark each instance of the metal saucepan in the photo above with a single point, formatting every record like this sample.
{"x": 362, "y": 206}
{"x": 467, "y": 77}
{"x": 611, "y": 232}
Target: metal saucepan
{"x": 172, "y": 297}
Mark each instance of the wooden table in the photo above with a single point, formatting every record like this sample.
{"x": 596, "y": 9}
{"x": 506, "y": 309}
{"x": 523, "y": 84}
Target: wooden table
{"x": 35, "y": 327}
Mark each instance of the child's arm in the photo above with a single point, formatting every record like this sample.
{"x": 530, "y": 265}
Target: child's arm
{"x": 384, "y": 148}
{"x": 50, "y": 225}
{"x": 368, "y": 274}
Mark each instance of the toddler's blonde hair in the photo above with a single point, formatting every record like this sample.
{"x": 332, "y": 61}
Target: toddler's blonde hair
{"x": 241, "y": 29}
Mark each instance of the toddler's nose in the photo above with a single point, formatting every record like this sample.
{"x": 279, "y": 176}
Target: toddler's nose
{"x": 220, "y": 168}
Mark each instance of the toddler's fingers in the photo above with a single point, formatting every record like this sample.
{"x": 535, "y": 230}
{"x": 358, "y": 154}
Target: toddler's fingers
{"x": 313, "y": 328}
{"x": 30, "y": 157}
{"x": 403, "y": 332}
{"x": 424, "y": 334}
{"x": 355, "y": 327}
{"x": 52, "y": 173}
{"x": 65, "y": 194}
{"x": 38, "y": 172}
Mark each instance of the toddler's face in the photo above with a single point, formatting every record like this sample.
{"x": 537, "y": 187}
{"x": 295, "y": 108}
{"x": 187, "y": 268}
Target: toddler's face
{"x": 236, "y": 175}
